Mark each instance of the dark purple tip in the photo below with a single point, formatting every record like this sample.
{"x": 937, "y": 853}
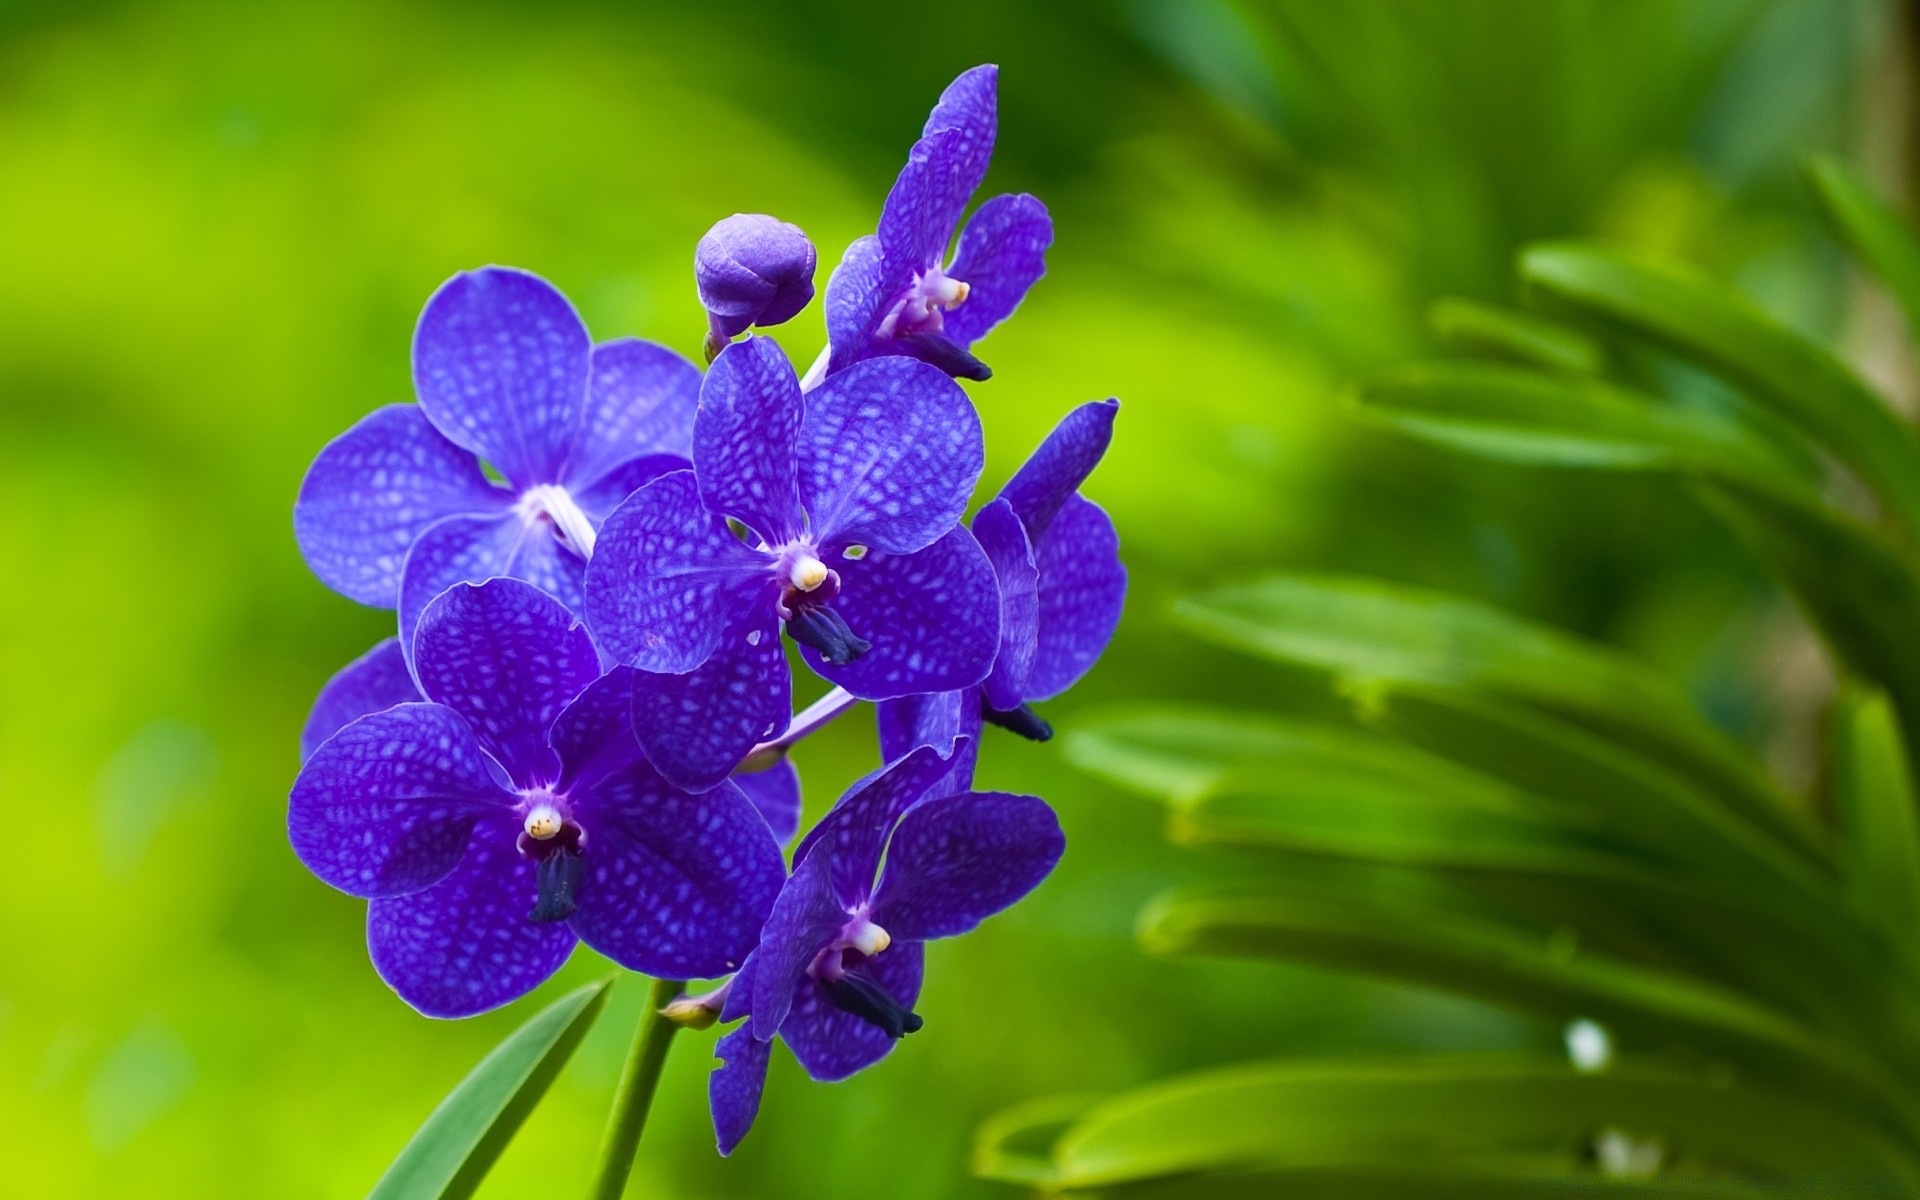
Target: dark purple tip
{"x": 944, "y": 353}
{"x": 1022, "y": 720}
{"x": 857, "y": 993}
{"x": 825, "y": 630}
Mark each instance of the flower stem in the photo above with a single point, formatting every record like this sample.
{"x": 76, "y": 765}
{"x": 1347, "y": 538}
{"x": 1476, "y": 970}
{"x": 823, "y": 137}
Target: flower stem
{"x": 635, "y": 1095}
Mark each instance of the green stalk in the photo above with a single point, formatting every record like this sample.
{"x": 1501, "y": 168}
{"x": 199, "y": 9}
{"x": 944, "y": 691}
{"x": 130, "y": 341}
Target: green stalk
{"x": 635, "y": 1095}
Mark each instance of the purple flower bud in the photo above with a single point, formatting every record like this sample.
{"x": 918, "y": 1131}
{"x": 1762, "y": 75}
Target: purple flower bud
{"x": 751, "y": 269}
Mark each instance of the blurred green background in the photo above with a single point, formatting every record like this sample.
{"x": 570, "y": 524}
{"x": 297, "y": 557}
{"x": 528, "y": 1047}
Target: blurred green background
{"x": 219, "y": 220}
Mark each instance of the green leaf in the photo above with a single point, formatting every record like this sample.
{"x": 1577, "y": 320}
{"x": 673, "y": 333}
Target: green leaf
{"x": 1879, "y": 827}
{"x": 1497, "y": 332}
{"x": 1524, "y": 1181}
{"x": 1418, "y": 940}
{"x": 1723, "y": 331}
{"x": 1528, "y": 417}
{"x": 1872, "y": 230}
{"x": 1365, "y": 630}
{"x": 1451, "y": 1116}
{"x": 452, "y": 1152}
{"x": 1015, "y": 1145}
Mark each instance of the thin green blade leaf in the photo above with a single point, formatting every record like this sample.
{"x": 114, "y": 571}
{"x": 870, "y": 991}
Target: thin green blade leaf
{"x": 1718, "y": 328}
{"x": 1015, "y": 1145}
{"x": 1496, "y": 332}
{"x": 1526, "y": 1181}
{"x": 1872, "y": 230}
{"x": 454, "y": 1149}
{"x": 1450, "y": 1114}
{"x": 1879, "y": 825}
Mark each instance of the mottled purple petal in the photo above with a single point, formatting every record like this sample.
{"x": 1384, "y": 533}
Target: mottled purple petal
{"x": 385, "y": 805}
{"x": 733, "y": 1090}
{"x": 933, "y": 617}
{"x": 641, "y": 398}
{"x": 677, "y": 885}
{"x": 372, "y": 683}
{"x": 500, "y": 366}
{"x": 1004, "y": 539}
{"x": 889, "y": 453}
{"x": 668, "y": 578}
{"x": 464, "y": 945}
{"x": 507, "y": 657}
{"x": 1003, "y": 253}
{"x": 969, "y": 108}
{"x": 373, "y": 490}
{"x": 1059, "y": 466}
{"x": 1083, "y": 588}
{"x": 920, "y": 214}
{"x": 805, "y": 917}
{"x": 855, "y": 831}
{"x": 604, "y": 494}
{"x": 936, "y": 719}
{"x": 958, "y": 859}
{"x": 696, "y": 727}
{"x": 743, "y": 438}
{"x": 832, "y": 1044}
{"x": 593, "y": 735}
{"x": 775, "y": 795}
{"x": 476, "y": 549}
{"x": 859, "y": 293}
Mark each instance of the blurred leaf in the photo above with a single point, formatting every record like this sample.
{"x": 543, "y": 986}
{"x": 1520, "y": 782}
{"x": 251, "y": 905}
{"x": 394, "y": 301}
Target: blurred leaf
{"x": 1363, "y": 630}
{"x": 452, "y": 1152}
{"x": 1528, "y": 1180}
{"x": 1358, "y": 928}
{"x": 1724, "y": 331}
{"x": 1450, "y": 1116}
{"x": 1553, "y": 420}
{"x": 1496, "y": 332}
{"x": 1875, "y": 233}
{"x": 1879, "y": 829}
{"x": 1015, "y": 1145}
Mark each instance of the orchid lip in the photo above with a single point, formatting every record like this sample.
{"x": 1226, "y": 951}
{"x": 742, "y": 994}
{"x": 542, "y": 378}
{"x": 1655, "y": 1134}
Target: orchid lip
{"x": 1021, "y": 720}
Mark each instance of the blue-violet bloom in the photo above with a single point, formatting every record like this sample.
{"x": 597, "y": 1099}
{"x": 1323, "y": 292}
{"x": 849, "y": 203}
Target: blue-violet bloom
{"x": 1062, "y": 588}
{"x": 398, "y": 508}
{"x": 896, "y": 292}
{"x": 513, "y": 813}
{"x": 751, "y": 269}
{"x": 846, "y": 507}
{"x": 838, "y": 967}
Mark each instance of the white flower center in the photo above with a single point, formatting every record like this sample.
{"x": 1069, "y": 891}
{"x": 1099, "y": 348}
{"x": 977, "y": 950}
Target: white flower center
{"x": 807, "y": 572}
{"x": 869, "y": 939}
{"x": 543, "y": 822}
{"x": 557, "y": 505}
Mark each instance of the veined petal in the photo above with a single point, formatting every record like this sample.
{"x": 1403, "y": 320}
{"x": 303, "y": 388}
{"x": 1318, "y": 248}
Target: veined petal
{"x": 1083, "y": 588}
{"x": 464, "y": 945}
{"x": 775, "y": 795}
{"x": 1060, "y": 465}
{"x": 374, "y": 682}
{"x": 939, "y": 720}
{"x": 508, "y": 658}
{"x": 958, "y": 859}
{"x": 500, "y": 364}
{"x": 853, "y": 834}
{"x": 920, "y": 214}
{"x": 733, "y": 1090}
{"x": 859, "y": 293}
{"x": 743, "y": 438}
{"x": 832, "y": 1044}
{"x": 969, "y": 108}
{"x": 604, "y": 494}
{"x": 593, "y": 735}
{"x": 373, "y": 490}
{"x": 384, "y": 806}
{"x": 677, "y": 885}
{"x": 889, "y": 453}
{"x": 696, "y": 727}
{"x": 1004, "y": 540}
{"x": 1003, "y": 253}
{"x": 641, "y": 398}
{"x": 933, "y": 618}
{"x": 668, "y": 578}
{"x": 476, "y": 549}
{"x": 805, "y": 917}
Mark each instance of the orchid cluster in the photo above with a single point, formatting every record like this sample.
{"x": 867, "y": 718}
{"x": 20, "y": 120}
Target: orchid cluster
{"x": 581, "y": 730}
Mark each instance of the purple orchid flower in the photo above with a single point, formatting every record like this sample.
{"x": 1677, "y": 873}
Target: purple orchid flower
{"x": 379, "y": 679}
{"x": 846, "y": 508}
{"x": 751, "y": 269}
{"x": 512, "y": 814}
{"x": 896, "y": 292}
{"x": 397, "y": 509}
{"x": 838, "y": 967}
{"x": 1062, "y": 589}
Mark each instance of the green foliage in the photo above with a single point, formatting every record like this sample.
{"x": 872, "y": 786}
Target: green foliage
{"x": 456, "y": 1146}
{"x": 1540, "y": 823}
